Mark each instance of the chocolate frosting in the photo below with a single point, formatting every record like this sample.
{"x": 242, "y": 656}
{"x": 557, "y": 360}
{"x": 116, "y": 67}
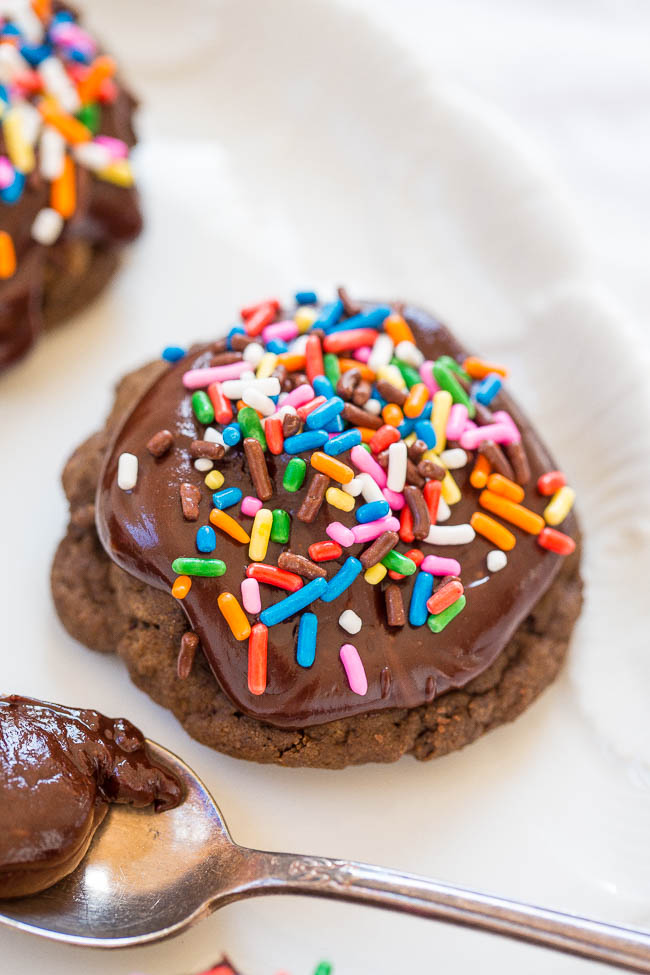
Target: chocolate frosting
{"x": 59, "y": 770}
{"x": 143, "y": 531}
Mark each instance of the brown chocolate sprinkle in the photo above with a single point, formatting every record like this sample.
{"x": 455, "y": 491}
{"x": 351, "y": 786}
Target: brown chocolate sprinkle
{"x": 304, "y": 567}
{"x": 379, "y": 548}
{"x": 395, "y": 614}
{"x": 238, "y": 342}
{"x": 160, "y": 443}
{"x": 296, "y": 379}
{"x": 418, "y": 507}
{"x": 219, "y": 345}
{"x": 190, "y": 497}
{"x": 391, "y": 393}
{"x": 483, "y": 416}
{"x": 207, "y": 448}
{"x": 186, "y": 654}
{"x": 291, "y": 423}
{"x": 361, "y": 418}
{"x": 362, "y": 393}
{"x": 431, "y": 471}
{"x": 349, "y": 307}
{"x": 314, "y": 499}
{"x": 347, "y": 383}
{"x": 257, "y": 468}
{"x": 415, "y": 451}
{"x": 496, "y": 458}
{"x": 516, "y": 453}
{"x": 226, "y": 358}
{"x": 413, "y": 475}
{"x": 385, "y": 680}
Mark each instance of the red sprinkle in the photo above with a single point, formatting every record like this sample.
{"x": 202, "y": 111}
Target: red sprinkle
{"x": 258, "y": 321}
{"x": 273, "y": 576}
{"x": 221, "y": 403}
{"x": 556, "y": 541}
{"x": 431, "y": 492}
{"x": 251, "y": 309}
{"x": 257, "y": 651}
{"x": 274, "y": 435}
{"x": 445, "y": 596}
{"x": 406, "y": 525}
{"x": 314, "y": 358}
{"x": 304, "y": 410}
{"x": 415, "y": 555}
{"x": 551, "y": 482}
{"x": 383, "y": 438}
{"x": 325, "y": 551}
{"x": 353, "y": 339}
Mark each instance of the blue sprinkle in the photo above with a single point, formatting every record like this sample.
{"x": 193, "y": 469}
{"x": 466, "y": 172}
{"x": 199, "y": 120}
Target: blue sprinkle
{"x": 172, "y": 353}
{"x": 35, "y": 53}
{"x": 307, "y": 630}
{"x": 309, "y": 440}
{"x": 322, "y": 386}
{"x": 486, "y": 390}
{"x": 4, "y": 94}
{"x": 226, "y": 498}
{"x": 345, "y": 441}
{"x": 342, "y": 580}
{"x": 10, "y": 30}
{"x": 337, "y": 425}
{"x": 406, "y": 426}
{"x": 306, "y": 297}
{"x": 294, "y": 602}
{"x": 62, "y": 17}
{"x": 374, "y": 318}
{"x": 206, "y": 540}
{"x": 277, "y": 346}
{"x": 422, "y": 590}
{"x": 235, "y": 330}
{"x": 329, "y": 315}
{"x": 325, "y": 413}
{"x": 13, "y": 192}
{"x": 424, "y": 431}
{"x": 74, "y": 54}
{"x": 372, "y": 511}
{"x": 231, "y": 434}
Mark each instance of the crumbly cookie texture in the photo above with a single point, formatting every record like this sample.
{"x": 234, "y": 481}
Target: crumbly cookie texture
{"x": 111, "y": 611}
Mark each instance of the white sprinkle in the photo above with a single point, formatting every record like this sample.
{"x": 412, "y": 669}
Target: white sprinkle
{"x": 52, "y": 153}
{"x": 92, "y": 155}
{"x": 47, "y": 226}
{"x": 253, "y": 353}
{"x": 373, "y": 406}
{"x": 454, "y": 459}
{"x": 353, "y": 487}
{"x": 444, "y": 511}
{"x": 127, "y": 471}
{"x": 409, "y": 353}
{"x": 214, "y": 436}
{"x": 203, "y": 464}
{"x": 234, "y": 388}
{"x": 30, "y": 120}
{"x": 11, "y": 63}
{"x": 382, "y": 352}
{"x": 25, "y": 20}
{"x": 57, "y": 83}
{"x": 350, "y": 621}
{"x": 450, "y": 535}
{"x": 397, "y": 457}
{"x": 297, "y": 347}
{"x": 496, "y": 560}
{"x": 263, "y": 404}
{"x": 369, "y": 488}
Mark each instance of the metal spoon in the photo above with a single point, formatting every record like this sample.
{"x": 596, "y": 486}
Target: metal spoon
{"x": 149, "y": 876}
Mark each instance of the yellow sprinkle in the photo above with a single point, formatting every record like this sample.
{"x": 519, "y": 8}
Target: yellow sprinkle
{"x": 260, "y": 534}
{"x": 19, "y": 150}
{"x": 439, "y": 416}
{"x": 432, "y": 455}
{"x": 214, "y": 480}
{"x": 412, "y": 437}
{"x": 266, "y": 365}
{"x": 559, "y": 506}
{"x": 450, "y": 490}
{"x": 305, "y": 318}
{"x": 339, "y": 499}
{"x": 119, "y": 172}
{"x": 375, "y": 573}
{"x": 392, "y": 375}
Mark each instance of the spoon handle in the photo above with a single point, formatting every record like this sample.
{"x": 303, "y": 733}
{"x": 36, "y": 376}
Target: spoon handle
{"x": 365, "y": 884}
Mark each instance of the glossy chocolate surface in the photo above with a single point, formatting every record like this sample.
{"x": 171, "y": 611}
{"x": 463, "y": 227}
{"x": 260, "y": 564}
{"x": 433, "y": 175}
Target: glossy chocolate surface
{"x": 143, "y": 530}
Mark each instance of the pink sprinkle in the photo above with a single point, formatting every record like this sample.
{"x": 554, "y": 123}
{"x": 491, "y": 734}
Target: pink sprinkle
{"x": 250, "y": 595}
{"x": 364, "y": 462}
{"x": 6, "y": 173}
{"x": 426, "y": 375}
{"x": 504, "y": 417}
{"x": 499, "y": 432}
{"x": 395, "y": 500}
{"x": 354, "y": 670}
{"x": 250, "y": 506}
{"x": 117, "y": 147}
{"x": 198, "y": 378}
{"x": 456, "y": 422}
{"x": 339, "y": 533}
{"x": 363, "y": 354}
{"x": 470, "y": 425}
{"x": 299, "y": 395}
{"x": 285, "y": 331}
{"x": 373, "y": 529}
{"x": 438, "y": 566}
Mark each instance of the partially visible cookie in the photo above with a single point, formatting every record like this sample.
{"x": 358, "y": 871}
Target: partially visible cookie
{"x": 67, "y": 201}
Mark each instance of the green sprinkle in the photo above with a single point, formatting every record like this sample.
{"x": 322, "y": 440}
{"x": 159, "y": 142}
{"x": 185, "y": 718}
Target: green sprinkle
{"x": 366, "y": 447}
{"x": 250, "y": 425}
{"x": 410, "y": 375}
{"x": 281, "y": 526}
{"x": 199, "y": 567}
{"x": 446, "y": 380}
{"x": 294, "y": 474}
{"x": 90, "y": 115}
{"x": 324, "y": 968}
{"x": 399, "y": 563}
{"x": 203, "y": 408}
{"x": 332, "y": 368}
{"x": 453, "y": 366}
{"x": 439, "y": 621}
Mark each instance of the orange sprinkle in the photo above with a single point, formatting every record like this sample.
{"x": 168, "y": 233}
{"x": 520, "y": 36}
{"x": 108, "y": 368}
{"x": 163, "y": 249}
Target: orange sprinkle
{"x": 478, "y": 477}
{"x": 366, "y": 434}
{"x": 392, "y": 414}
{"x": 221, "y": 519}
{"x": 181, "y": 587}
{"x": 291, "y": 362}
{"x": 102, "y": 68}
{"x": 63, "y": 192}
{"x": 7, "y": 255}
{"x": 416, "y": 400}
{"x": 493, "y": 531}
{"x": 398, "y": 329}
{"x": 505, "y": 487}
{"x": 479, "y": 368}
{"x": 366, "y": 372}
{"x": 234, "y": 616}
{"x": 71, "y": 129}
{"x": 516, "y": 514}
{"x": 332, "y": 467}
{"x": 42, "y": 9}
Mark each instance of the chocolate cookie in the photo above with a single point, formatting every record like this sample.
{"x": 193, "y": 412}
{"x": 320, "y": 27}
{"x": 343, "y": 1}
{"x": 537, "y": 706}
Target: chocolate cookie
{"x": 425, "y": 693}
{"x": 67, "y": 201}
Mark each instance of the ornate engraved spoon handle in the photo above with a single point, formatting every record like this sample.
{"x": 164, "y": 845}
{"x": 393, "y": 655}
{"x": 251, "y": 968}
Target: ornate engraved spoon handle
{"x": 365, "y": 884}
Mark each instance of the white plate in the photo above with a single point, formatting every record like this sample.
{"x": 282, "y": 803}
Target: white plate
{"x": 291, "y": 144}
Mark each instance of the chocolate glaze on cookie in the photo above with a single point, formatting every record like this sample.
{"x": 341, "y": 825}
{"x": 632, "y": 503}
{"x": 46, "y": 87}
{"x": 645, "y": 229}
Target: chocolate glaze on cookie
{"x": 59, "y": 770}
{"x": 143, "y": 531}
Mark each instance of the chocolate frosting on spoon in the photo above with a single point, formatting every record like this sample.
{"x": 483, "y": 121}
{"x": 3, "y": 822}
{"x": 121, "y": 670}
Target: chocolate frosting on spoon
{"x": 143, "y": 530}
